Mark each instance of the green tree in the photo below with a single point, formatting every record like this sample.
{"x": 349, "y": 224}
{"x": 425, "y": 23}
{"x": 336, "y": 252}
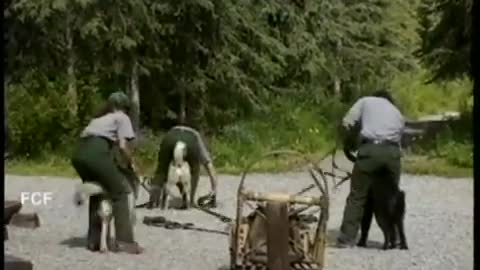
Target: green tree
{"x": 446, "y": 37}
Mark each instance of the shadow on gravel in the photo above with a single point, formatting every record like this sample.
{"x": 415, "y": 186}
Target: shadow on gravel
{"x": 332, "y": 240}
{"x": 75, "y": 242}
{"x": 373, "y": 245}
{"x": 224, "y": 268}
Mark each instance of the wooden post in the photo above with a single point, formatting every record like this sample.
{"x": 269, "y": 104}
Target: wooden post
{"x": 277, "y": 236}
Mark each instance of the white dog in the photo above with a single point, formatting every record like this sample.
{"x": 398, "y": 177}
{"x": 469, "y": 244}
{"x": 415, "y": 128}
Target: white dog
{"x": 178, "y": 174}
{"x": 104, "y": 211}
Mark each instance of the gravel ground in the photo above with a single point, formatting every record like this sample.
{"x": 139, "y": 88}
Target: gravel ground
{"x": 439, "y": 229}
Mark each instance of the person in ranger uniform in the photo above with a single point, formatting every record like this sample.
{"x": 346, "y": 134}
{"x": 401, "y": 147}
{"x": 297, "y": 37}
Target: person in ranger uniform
{"x": 94, "y": 161}
{"x": 381, "y": 125}
{"x": 197, "y": 155}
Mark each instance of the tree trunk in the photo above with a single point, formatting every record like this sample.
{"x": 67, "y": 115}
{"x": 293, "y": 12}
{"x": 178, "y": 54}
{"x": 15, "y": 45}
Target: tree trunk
{"x": 337, "y": 90}
{"x": 183, "y": 104}
{"x": 71, "y": 78}
{"x": 134, "y": 94}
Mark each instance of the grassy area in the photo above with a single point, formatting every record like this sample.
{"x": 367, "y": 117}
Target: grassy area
{"x": 55, "y": 166}
{"x": 420, "y": 165}
{"x": 436, "y": 166}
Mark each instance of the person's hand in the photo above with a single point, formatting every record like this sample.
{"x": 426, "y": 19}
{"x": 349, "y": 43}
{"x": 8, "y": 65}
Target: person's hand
{"x": 133, "y": 167}
{"x": 208, "y": 201}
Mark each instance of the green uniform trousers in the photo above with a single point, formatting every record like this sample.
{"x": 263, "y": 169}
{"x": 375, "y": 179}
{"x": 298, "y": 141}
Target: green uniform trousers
{"x": 165, "y": 156}
{"x": 374, "y": 161}
{"x": 124, "y": 167}
{"x": 94, "y": 162}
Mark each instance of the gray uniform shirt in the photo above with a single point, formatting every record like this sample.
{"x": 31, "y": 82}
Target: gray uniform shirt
{"x": 112, "y": 126}
{"x": 378, "y": 118}
{"x": 204, "y": 154}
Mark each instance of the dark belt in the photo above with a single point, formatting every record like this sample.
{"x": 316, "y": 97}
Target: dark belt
{"x": 86, "y": 138}
{"x": 384, "y": 142}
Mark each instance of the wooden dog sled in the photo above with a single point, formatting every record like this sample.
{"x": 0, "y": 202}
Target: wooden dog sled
{"x": 276, "y": 235}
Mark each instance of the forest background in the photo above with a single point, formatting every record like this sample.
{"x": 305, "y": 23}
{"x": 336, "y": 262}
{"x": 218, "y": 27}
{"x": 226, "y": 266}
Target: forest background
{"x": 251, "y": 75}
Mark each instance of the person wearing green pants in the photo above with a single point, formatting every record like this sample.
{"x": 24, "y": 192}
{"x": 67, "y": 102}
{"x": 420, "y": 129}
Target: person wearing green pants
{"x": 94, "y": 161}
{"x": 379, "y": 156}
{"x": 197, "y": 155}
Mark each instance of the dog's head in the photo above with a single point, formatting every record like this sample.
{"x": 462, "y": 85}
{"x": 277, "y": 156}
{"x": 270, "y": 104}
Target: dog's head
{"x": 79, "y": 199}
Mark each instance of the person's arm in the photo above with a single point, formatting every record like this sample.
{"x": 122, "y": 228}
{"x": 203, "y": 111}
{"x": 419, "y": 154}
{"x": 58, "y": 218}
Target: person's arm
{"x": 207, "y": 162}
{"x": 127, "y": 151}
{"x": 125, "y": 135}
{"x": 213, "y": 176}
{"x": 349, "y": 128}
{"x": 353, "y": 116}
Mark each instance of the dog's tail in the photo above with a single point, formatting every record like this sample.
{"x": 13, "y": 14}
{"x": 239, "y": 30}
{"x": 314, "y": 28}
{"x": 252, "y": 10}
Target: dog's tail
{"x": 84, "y": 191}
{"x": 179, "y": 152}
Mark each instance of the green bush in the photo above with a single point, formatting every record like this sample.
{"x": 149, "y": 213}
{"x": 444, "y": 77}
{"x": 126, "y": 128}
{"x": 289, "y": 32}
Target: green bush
{"x": 40, "y": 117}
{"x": 287, "y": 126}
{"x": 416, "y": 98}
{"x": 459, "y": 154}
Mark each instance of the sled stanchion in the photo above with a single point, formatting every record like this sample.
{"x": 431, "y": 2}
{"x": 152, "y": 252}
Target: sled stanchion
{"x": 277, "y": 236}
{"x": 281, "y": 197}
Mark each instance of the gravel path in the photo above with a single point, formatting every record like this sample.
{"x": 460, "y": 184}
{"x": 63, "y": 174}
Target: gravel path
{"x": 439, "y": 229}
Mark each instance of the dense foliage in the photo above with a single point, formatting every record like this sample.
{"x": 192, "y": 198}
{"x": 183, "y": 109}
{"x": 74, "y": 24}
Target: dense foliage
{"x": 214, "y": 64}
{"x": 446, "y": 29}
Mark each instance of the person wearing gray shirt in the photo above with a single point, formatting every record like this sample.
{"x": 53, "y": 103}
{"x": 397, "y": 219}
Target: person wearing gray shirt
{"x": 197, "y": 155}
{"x": 380, "y": 125}
{"x": 94, "y": 161}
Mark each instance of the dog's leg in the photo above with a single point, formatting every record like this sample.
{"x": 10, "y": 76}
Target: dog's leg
{"x": 186, "y": 189}
{"x": 183, "y": 190}
{"x": 103, "y": 235}
{"x": 166, "y": 204}
{"x": 166, "y": 197}
{"x": 168, "y": 191}
{"x": 393, "y": 234}
{"x": 399, "y": 218}
{"x": 162, "y": 203}
{"x": 113, "y": 235}
{"x": 385, "y": 227}
{"x": 366, "y": 221}
{"x": 401, "y": 232}
{"x": 386, "y": 237}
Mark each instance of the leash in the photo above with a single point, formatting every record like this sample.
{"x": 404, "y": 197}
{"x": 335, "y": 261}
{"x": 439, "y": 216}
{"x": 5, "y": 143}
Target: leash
{"x": 334, "y": 167}
{"x": 160, "y": 221}
{"x": 219, "y": 216}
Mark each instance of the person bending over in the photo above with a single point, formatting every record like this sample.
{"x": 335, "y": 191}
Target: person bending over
{"x": 197, "y": 155}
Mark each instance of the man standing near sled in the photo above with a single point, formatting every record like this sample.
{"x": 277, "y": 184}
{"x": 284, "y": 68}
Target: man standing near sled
{"x": 197, "y": 155}
{"x": 380, "y": 124}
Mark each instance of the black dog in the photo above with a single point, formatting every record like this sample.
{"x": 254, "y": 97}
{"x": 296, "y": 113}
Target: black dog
{"x": 387, "y": 202}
